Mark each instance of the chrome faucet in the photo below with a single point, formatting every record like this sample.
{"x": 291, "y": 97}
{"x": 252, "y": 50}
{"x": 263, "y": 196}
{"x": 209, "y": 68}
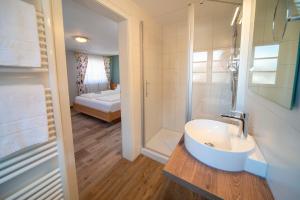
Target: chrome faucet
{"x": 243, "y": 117}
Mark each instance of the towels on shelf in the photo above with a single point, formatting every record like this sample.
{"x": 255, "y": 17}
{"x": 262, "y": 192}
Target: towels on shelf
{"x": 23, "y": 117}
{"x": 19, "y": 43}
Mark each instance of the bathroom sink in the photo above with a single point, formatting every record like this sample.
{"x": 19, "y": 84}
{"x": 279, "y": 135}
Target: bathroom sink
{"x": 219, "y": 145}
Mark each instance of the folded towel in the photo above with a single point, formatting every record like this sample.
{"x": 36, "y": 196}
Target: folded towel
{"x": 109, "y": 98}
{"x": 23, "y": 118}
{"x": 19, "y": 43}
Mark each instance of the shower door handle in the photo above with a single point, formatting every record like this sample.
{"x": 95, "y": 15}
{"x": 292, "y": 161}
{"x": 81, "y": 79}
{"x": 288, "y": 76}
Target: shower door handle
{"x": 146, "y": 88}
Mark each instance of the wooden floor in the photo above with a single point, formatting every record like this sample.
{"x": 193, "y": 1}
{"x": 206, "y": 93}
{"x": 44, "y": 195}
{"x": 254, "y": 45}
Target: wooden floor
{"x": 103, "y": 174}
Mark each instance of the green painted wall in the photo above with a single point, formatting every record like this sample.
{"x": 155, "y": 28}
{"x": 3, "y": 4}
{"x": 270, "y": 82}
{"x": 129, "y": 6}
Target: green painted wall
{"x": 114, "y": 70}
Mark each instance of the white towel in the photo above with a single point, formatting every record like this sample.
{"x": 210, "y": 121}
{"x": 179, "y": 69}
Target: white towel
{"x": 19, "y": 41}
{"x": 23, "y": 117}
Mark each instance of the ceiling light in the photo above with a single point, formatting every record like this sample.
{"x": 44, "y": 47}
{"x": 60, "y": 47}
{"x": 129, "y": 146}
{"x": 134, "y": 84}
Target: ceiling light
{"x": 235, "y": 15}
{"x": 81, "y": 39}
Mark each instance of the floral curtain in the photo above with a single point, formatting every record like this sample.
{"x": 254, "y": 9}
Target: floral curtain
{"x": 107, "y": 69}
{"x": 81, "y": 65}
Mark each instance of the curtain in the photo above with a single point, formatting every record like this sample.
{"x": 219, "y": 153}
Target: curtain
{"x": 107, "y": 69}
{"x": 82, "y": 62}
{"x": 95, "y": 77}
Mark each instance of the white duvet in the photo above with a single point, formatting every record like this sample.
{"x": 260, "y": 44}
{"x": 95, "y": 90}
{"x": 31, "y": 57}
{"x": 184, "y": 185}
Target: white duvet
{"x": 107, "y": 101}
{"x": 106, "y": 93}
{"x": 109, "y": 97}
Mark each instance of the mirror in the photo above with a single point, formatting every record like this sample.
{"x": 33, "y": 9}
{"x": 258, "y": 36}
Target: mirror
{"x": 275, "y": 56}
{"x": 279, "y": 20}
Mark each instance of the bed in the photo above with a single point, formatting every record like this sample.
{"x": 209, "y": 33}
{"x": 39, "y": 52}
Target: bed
{"x": 105, "y": 105}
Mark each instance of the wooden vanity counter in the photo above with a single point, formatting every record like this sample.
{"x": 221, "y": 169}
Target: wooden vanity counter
{"x": 212, "y": 183}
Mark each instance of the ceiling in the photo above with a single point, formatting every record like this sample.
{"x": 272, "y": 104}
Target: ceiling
{"x": 84, "y": 20}
{"x": 101, "y": 31}
{"x": 163, "y": 10}
{"x": 158, "y": 8}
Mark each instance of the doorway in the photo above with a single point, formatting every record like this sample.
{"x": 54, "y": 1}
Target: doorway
{"x": 92, "y": 57}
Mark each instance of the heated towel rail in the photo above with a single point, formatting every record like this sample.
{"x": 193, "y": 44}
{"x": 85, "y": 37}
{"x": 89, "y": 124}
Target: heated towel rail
{"x": 34, "y": 172}
{"x": 49, "y": 185}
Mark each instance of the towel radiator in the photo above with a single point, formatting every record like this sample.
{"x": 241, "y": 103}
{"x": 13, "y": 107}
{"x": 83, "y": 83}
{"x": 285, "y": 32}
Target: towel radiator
{"x": 35, "y": 172}
{"x": 48, "y": 186}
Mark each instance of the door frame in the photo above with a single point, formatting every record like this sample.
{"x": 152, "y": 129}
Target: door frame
{"x": 131, "y": 143}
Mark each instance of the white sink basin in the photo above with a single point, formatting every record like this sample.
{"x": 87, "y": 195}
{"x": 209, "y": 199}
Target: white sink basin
{"x": 218, "y": 145}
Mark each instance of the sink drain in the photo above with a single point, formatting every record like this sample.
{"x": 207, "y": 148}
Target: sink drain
{"x": 209, "y": 144}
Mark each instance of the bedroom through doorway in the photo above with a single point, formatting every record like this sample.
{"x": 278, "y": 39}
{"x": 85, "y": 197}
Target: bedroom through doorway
{"x": 92, "y": 55}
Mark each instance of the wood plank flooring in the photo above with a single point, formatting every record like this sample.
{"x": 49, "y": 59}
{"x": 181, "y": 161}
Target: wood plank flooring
{"x": 102, "y": 173}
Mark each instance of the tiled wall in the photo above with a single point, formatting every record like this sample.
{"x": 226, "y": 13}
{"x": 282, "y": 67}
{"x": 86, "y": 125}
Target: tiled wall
{"x": 174, "y": 68}
{"x": 153, "y": 76}
{"x": 277, "y": 129}
{"x": 213, "y": 40}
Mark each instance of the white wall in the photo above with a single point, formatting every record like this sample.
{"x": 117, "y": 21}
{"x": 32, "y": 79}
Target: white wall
{"x": 277, "y": 132}
{"x": 174, "y": 84}
{"x": 71, "y": 68}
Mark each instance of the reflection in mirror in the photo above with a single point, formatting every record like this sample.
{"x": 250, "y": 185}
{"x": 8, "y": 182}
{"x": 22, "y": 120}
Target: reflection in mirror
{"x": 265, "y": 64}
{"x": 279, "y": 19}
{"x": 274, "y": 67}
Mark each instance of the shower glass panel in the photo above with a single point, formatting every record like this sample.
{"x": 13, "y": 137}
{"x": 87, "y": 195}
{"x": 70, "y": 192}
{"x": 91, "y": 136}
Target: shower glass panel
{"x": 215, "y": 63}
{"x": 165, "y": 84}
{"x": 215, "y": 57}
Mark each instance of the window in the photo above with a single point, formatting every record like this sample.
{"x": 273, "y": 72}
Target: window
{"x": 95, "y": 77}
{"x": 200, "y": 66}
{"x": 265, "y": 64}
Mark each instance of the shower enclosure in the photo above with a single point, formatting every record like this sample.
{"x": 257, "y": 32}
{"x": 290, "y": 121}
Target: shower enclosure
{"x": 199, "y": 53}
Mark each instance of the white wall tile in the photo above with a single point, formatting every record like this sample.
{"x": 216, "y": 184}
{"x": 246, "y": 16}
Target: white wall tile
{"x": 174, "y": 74}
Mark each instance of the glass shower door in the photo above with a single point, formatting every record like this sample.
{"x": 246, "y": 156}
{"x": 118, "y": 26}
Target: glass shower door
{"x": 165, "y": 84}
